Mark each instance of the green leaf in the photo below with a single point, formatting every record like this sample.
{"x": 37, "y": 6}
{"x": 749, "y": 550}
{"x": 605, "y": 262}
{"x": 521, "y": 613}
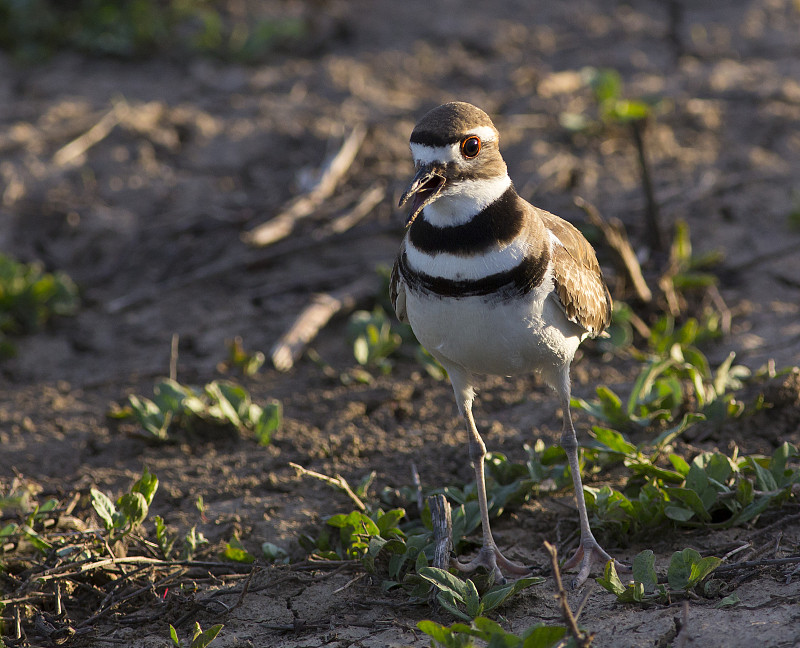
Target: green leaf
{"x": 680, "y": 569}
{"x": 613, "y": 440}
{"x": 266, "y": 421}
{"x": 728, "y": 601}
{"x": 679, "y": 463}
{"x": 678, "y": 513}
{"x": 473, "y": 600}
{"x": 764, "y": 479}
{"x": 500, "y": 593}
{"x": 448, "y": 601}
{"x": 274, "y": 553}
{"x": 445, "y": 581}
{"x": 644, "y": 570}
{"x": 235, "y": 551}
{"x": 610, "y": 580}
{"x": 147, "y": 485}
{"x": 202, "y": 639}
{"x": 133, "y": 507}
{"x": 691, "y": 499}
{"x": 703, "y": 568}
{"x": 542, "y": 636}
{"x": 173, "y": 634}
{"x": 104, "y": 507}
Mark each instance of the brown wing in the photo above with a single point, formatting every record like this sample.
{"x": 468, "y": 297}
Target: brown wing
{"x": 397, "y": 291}
{"x": 578, "y": 279}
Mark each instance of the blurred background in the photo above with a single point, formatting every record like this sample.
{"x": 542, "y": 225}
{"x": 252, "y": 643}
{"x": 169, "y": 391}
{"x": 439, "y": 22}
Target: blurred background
{"x": 141, "y": 140}
{"x": 207, "y": 190}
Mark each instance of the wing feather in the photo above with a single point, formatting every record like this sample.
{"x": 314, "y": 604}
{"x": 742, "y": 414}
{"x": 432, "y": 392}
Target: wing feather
{"x": 578, "y": 278}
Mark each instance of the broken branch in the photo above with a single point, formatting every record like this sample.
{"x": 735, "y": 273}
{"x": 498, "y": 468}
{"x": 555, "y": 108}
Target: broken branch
{"x": 303, "y": 206}
{"x": 582, "y": 639}
{"x": 313, "y": 319}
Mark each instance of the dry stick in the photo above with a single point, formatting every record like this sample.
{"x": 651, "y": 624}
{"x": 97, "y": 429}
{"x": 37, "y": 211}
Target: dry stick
{"x": 442, "y": 530}
{"x": 683, "y": 634}
{"x": 417, "y": 486}
{"x": 337, "y": 482}
{"x": 235, "y": 264}
{"x": 282, "y": 225}
{"x": 173, "y": 357}
{"x": 97, "y": 133}
{"x": 314, "y": 317}
{"x": 582, "y": 640}
{"x": 656, "y": 242}
{"x": 767, "y": 562}
{"x": 614, "y": 233}
{"x": 368, "y": 201}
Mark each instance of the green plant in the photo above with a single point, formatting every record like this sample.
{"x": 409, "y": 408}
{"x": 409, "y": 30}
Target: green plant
{"x": 219, "y": 404}
{"x": 667, "y": 385}
{"x": 713, "y": 491}
{"x": 29, "y": 298}
{"x": 34, "y": 30}
{"x": 200, "y": 638}
{"x": 687, "y": 570}
{"x": 460, "y": 635}
{"x": 372, "y": 338}
{"x": 248, "y": 362}
{"x": 461, "y": 597}
{"x": 131, "y": 508}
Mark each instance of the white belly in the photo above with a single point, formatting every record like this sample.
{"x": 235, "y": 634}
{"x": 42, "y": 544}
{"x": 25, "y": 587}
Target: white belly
{"x": 504, "y": 338}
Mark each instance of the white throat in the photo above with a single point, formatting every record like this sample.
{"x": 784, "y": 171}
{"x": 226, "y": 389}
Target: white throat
{"x": 459, "y": 202}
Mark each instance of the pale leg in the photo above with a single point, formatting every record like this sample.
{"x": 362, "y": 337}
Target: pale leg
{"x": 489, "y": 555}
{"x": 588, "y": 550}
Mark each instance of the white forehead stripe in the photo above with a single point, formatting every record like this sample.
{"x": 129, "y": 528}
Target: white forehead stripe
{"x": 424, "y": 154}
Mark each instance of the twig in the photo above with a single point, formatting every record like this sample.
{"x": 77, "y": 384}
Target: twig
{"x": 614, "y": 233}
{"x": 337, "y": 482}
{"x": 368, "y": 201}
{"x": 314, "y": 317}
{"x": 282, "y": 225}
{"x": 348, "y": 584}
{"x": 771, "y": 527}
{"x": 766, "y": 562}
{"x": 682, "y": 637}
{"x": 417, "y": 486}
{"x": 582, "y": 639}
{"x": 656, "y": 241}
{"x": 173, "y": 357}
{"x": 442, "y": 530}
{"x": 97, "y": 133}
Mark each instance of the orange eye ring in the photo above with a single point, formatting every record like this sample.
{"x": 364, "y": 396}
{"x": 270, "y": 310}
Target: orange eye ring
{"x": 471, "y": 146}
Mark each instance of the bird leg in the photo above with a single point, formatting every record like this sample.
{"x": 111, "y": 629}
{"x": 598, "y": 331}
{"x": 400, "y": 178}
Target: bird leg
{"x": 489, "y": 555}
{"x": 589, "y": 550}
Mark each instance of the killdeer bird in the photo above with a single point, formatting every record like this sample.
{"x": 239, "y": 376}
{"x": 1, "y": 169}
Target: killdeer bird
{"x": 493, "y": 285}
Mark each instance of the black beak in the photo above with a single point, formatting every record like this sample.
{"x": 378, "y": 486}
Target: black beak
{"x": 425, "y": 188}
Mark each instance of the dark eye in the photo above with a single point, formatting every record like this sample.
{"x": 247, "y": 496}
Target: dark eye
{"x": 471, "y": 146}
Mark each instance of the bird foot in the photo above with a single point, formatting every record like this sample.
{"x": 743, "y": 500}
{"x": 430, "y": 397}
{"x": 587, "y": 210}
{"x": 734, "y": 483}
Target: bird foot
{"x": 587, "y": 553}
{"x": 490, "y": 558}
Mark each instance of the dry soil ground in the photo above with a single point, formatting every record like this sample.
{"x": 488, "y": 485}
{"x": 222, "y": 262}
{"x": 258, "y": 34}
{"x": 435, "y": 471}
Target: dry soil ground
{"x": 207, "y": 150}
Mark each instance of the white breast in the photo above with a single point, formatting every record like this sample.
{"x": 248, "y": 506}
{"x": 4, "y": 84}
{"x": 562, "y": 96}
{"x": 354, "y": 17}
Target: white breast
{"x": 503, "y": 338}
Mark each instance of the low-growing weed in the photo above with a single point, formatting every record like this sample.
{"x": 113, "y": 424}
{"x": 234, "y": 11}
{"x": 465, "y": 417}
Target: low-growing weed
{"x": 29, "y": 298}
{"x": 200, "y": 638}
{"x": 687, "y": 570}
{"x": 460, "y": 635}
{"x": 461, "y": 598}
{"x": 713, "y": 491}
{"x": 131, "y": 508}
{"x": 219, "y": 404}
{"x": 247, "y": 362}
